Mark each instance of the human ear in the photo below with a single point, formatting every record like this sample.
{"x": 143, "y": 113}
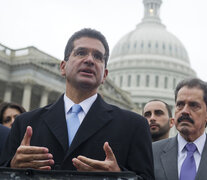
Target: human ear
{"x": 172, "y": 122}
{"x": 104, "y": 76}
{"x": 62, "y": 67}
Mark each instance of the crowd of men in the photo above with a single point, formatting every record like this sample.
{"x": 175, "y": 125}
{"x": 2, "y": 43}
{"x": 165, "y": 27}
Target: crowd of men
{"x": 80, "y": 131}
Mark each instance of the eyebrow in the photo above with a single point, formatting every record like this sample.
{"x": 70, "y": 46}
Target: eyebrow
{"x": 159, "y": 111}
{"x": 84, "y": 48}
{"x": 147, "y": 112}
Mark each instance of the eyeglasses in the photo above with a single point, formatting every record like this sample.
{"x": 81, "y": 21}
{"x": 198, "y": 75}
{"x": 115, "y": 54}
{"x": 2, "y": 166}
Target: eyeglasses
{"x": 84, "y": 52}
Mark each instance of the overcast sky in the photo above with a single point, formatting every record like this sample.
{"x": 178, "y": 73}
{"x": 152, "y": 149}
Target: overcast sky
{"x": 47, "y": 24}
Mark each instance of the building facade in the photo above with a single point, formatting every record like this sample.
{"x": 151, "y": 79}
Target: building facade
{"x": 32, "y": 78}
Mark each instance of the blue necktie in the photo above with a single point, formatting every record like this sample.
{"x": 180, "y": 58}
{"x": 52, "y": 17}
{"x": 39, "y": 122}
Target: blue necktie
{"x": 188, "y": 169}
{"x": 73, "y": 122}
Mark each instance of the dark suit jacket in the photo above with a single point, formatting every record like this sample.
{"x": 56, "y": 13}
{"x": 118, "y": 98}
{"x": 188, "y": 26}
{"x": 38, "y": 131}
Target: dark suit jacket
{"x": 4, "y": 131}
{"x": 127, "y": 133}
{"x": 165, "y": 154}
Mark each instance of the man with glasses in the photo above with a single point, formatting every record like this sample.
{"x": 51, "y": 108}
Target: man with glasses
{"x": 80, "y": 131}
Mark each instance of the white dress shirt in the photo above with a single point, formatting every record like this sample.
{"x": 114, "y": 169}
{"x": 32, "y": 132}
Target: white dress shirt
{"x": 182, "y": 153}
{"x": 86, "y": 105}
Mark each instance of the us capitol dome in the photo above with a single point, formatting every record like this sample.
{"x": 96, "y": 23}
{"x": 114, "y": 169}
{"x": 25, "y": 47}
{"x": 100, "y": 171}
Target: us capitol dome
{"x": 149, "y": 61}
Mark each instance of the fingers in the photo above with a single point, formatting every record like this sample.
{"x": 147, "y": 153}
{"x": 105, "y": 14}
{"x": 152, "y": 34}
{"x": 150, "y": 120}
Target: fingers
{"x": 108, "y": 151}
{"x": 92, "y": 163}
{"x": 44, "y": 164}
{"x": 81, "y": 166}
{"x": 27, "y": 136}
{"x": 32, "y": 150}
{"x": 83, "y": 163}
{"x": 32, "y": 157}
{"x": 32, "y": 153}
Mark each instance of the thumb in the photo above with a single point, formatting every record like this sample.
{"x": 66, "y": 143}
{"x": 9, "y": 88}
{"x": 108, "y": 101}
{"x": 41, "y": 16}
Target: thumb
{"x": 27, "y": 136}
{"x": 109, "y": 153}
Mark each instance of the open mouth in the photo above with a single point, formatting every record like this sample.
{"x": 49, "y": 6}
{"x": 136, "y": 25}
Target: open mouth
{"x": 87, "y": 71}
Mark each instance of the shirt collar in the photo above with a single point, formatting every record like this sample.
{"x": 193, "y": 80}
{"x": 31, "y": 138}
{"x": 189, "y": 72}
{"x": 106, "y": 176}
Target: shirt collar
{"x": 86, "y": 104}
{"x": 199, "y": 142}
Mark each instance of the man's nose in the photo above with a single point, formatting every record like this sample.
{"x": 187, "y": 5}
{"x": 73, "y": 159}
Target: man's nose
{"x": 186, "y": 109}
{"x": 89, "y": 59}
{"x": 152, "y": 118}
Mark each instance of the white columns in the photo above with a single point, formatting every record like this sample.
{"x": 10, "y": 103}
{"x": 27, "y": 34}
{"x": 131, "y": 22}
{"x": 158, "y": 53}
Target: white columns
{"x": 27, "y": 96}
{"x": 44, "y": 98}
{"x": 8, "y": 93}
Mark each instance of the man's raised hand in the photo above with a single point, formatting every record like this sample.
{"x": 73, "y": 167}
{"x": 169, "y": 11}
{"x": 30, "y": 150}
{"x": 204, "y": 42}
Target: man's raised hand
{"x": 83, "y": 163}
{"x": 27, "y": 156}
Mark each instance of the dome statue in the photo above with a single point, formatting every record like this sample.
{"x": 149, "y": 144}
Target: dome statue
{"x": 149, "y": 61}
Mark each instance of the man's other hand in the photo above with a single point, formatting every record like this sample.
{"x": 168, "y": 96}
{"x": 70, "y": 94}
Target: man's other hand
{"x": 83, "y": 163}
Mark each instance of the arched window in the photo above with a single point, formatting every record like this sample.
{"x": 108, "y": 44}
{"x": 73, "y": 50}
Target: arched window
{"x": 170, "y": 48}
{"x": 156, "y": 81}
{"x": 166, "y": 83}
{"x": 129, "y": 80}
{"x": 176, "y": 51}
{"x": 163, "y": 46}
{"x": 142, "y": 44}
{"x": 138, "y": 80}
{"x": 174, "y": 83}
{"x": 135, "y": 45}
{"x": 121, "y": 81}
{"x": 147, "y": 80}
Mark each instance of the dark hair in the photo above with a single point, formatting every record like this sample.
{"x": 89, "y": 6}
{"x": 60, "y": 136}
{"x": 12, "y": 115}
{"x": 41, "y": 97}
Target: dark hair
{"x": 86, "y": 32}
{"x": 191, "y": 83}
{"x": 5, "y": 105}
{"x": 166, "y": 105}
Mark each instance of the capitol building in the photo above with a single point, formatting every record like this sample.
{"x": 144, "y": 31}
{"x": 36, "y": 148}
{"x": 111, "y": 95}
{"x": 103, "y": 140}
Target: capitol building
{"x": 149, "y": 61}
{"x": 146, "y": 63}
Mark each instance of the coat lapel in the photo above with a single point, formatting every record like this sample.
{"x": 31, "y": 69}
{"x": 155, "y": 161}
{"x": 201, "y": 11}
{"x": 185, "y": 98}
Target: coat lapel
{"x": 202, "y": 170}
{"x": 97, "y": 113}
{"x": 55, "y": 120}
{"x": 169, "y": 159}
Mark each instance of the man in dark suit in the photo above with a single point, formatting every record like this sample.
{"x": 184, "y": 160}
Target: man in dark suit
{"x": 108, "y": 138}
{"x": 173, "y": 159}
{"x": 4, "y": 131}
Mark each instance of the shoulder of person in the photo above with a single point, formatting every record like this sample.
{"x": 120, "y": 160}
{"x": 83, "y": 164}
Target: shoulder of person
{"x": 39, "y": 111}
{"x": 162, "y": 143}
{"x": 4, "y": 130}
{"x": 122, "y": 114}
{"x": 34, "y": 112}
{"x": 129, "y": 114}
